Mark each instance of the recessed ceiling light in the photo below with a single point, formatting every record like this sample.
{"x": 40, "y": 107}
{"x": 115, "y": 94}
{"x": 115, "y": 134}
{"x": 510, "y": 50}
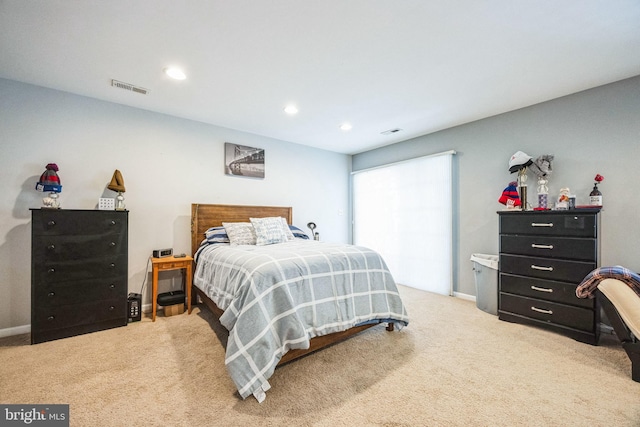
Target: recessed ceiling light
{"x": 175, "y": 73}
{"x": 346, "y": 127}
{"x": 291, "y": 109}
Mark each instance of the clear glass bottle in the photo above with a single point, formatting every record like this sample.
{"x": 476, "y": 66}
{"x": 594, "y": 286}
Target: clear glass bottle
{"x": 543, "y": 193}
{"x": 595, "y": 197}
{"x": 120, "y": 202}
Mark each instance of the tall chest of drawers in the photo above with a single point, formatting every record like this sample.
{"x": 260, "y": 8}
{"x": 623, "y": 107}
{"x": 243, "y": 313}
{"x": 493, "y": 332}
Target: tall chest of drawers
{"x": 543, "y": 257}
{"x": 79, "y": 263}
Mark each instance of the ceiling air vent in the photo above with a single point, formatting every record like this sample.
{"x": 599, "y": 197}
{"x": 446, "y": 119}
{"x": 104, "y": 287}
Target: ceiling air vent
{"x": 129, "y": 86}
{"x": 391, "y": 131}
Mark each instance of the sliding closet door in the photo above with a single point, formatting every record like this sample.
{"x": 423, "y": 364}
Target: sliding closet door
{"x": 404, "y": 211}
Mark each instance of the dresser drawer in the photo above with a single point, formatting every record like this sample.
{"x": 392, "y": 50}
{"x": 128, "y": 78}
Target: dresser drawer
{"x": 546, "y": 268}
{"x": 560, "y": 314}
{"x": 553, "y": 224}
{"x": 79, "y": 292}
{"x": 550, "y": 290}
{"x": 173, "y": 265}
{"x": 64, "y": 222}
{"x": 59, "y": 248}
{"x": 584, "y": 249}
{"x": 106, "y": 267}
{"x": 67, "y": 316}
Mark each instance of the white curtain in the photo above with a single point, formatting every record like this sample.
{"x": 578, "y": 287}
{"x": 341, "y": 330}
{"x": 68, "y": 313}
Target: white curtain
{"x": 404, "y": 211}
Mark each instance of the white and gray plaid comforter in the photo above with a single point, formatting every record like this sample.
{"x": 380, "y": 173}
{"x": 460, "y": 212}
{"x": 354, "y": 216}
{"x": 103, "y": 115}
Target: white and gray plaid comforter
{"x": 278, "y": 297}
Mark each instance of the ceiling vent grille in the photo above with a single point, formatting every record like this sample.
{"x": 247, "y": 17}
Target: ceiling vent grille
{"x": 391, "y": 131}
{"x": 129, "y": 86}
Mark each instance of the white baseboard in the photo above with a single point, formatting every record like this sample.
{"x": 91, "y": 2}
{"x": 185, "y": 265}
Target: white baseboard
{"x": 464, "y": 296}
{"x": 17, "y": 330}
{"x": 146, "y": 309}
{"x": 25, "y": 329}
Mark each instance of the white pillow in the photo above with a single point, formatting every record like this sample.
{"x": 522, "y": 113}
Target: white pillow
{"x": 287, "y": 230}
{"x": 240, "y": 233}
{"x": 269, "y": 230}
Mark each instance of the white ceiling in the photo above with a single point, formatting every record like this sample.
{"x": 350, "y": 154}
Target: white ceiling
{"x": 418, "y": 65}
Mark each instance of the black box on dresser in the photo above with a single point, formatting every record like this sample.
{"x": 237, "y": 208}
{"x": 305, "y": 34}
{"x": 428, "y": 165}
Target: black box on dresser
{"x": 79, "y": 268}
{"x": 544, "y": 255}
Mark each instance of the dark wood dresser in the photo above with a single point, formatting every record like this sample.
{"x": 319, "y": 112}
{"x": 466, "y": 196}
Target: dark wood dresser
{"x": 79, "y": 271}
{"x": 544, "y": 255}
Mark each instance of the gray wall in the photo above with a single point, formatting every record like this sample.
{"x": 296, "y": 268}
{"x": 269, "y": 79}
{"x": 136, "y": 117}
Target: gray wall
{"x": 167, "y": 164}
{"x": 595, "y": 131}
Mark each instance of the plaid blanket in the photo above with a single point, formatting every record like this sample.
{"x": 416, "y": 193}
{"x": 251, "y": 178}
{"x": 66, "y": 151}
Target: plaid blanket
{"x": 589, "y": 284}
{"x": 277, "y": 297}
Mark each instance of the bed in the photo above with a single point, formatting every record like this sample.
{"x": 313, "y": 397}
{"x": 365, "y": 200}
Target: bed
{"x": 285, "y": 300}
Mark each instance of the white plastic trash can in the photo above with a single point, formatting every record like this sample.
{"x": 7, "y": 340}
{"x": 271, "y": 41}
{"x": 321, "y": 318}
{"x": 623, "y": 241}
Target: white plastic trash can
{"x": 485, "y": 269}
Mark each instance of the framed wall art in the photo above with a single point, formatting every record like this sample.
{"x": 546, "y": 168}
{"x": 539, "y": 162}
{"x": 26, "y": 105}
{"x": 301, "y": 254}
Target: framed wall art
{"x": 241, "y": 160}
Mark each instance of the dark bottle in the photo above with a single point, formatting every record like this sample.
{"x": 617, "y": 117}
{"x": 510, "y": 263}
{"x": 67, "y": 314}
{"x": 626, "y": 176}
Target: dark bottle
{"x": 595, "y": 197}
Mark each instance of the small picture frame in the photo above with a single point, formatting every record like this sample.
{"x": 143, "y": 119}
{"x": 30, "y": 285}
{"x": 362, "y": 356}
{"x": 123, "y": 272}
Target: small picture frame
{"x": 106, "y": 204}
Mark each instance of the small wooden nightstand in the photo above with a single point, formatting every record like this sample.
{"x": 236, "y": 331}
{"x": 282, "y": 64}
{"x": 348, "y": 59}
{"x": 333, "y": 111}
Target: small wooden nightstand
{"x": 170, "y": 263}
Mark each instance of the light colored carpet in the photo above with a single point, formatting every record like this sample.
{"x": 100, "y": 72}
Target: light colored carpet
{"x": 454, "y": 365}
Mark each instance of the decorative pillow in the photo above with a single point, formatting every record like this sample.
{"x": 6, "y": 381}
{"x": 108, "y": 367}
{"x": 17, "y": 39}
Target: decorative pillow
{"x": 269, "y": 230}
{"x": 286, "y": 229}
{"x": 216, "y": 235}
{"x": 240, "y": 233}
{"x": 296, "y": 232}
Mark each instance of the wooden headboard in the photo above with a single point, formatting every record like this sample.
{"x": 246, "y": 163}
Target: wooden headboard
{"x": 205, "y": 216}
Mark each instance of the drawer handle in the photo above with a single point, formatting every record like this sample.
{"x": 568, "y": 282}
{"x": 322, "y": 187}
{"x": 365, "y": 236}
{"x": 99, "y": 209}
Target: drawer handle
{"x": 111, "y": 308}
{"x": 112, "y": 265}
{"x": 51, "y": 294}
{"x": 112, "y": 286}
{"x": 51, "y": 270}
{"x": 50, "y": 318}
{"x": 535, "y": 288}
{"x": 112, "y": 244}
{"x": 51, "y": 223}
{"x": 542, "y": 224}
{"x": 537, "y": 267}
{"x": 540, "y": 310}
{"x": 113, "y": 222}
{"x": 533, "y": 245}
{"x": 51, "y": 247}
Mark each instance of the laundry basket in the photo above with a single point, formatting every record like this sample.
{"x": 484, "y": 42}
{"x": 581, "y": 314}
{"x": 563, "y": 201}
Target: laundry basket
{"x": 485, "y": 269}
